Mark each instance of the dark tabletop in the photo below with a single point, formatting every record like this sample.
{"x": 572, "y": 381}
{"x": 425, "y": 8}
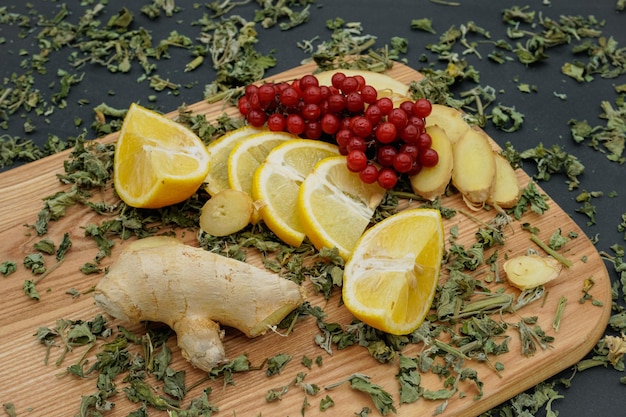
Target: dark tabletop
{"x": 553, "y": 99}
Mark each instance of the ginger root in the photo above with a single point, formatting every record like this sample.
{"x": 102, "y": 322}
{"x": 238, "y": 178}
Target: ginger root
{"x": 191, "y": 290}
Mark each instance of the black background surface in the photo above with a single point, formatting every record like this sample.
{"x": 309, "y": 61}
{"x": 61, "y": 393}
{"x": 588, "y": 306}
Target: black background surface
{"x": 593, "y": 392}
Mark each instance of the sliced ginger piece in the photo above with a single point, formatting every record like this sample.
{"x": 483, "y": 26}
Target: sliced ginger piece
{"x": 431, "y": 182}
{"x": 530, "y": 271}
{"x": 226, "y": 212}
{"x": 474, "y": 169}
{"x": 507, "y": 189}
{"x": 450, "y": 120}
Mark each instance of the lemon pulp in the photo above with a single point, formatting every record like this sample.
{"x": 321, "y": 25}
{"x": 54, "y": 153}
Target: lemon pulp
{"x": 391, "y": 277}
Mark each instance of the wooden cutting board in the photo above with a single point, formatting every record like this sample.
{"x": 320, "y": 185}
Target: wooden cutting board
{"x": 43, "y": 390}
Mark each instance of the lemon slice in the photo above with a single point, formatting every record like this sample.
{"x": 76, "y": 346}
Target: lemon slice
{"x": 276, "y": 184}
{"x": 335, "y": 206}
{"x": 217, "y": 178}
{"x": 157, "y": 161}
{"x": 390, "y": 280}
{"x": 249, "y": 154}
{"x": 386, "y": 85}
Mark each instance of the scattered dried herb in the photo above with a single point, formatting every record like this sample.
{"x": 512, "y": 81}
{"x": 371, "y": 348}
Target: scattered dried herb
{"x": 610, "y": 138}
{"x": 550, "y": 251}
{"x": 531, "y": 402}
{"x": 425, "y": 24}
{"x": 9, "y": 408}
{"x": 35, "y": 262}
{"x": 532, "y": 335}
{"x": 557, "y": 240}
{"x": 154, "y": 10}
{"x": 383, "y": 401}
{"x": 558, "y": 316}
{"x": 326, "y": 403}
{"x": 270, "y": 14}
{"x": 588, "y": 284}
{"x": 588, "y": 208}
{"x": 45, "y": 246}
{"x": 621, "y": 227}
{"x": 8, "y": 267}
{"x": 351, "y": 49}
{"x": 531, "y": 199}
{"x": 230, "y": 44}
{"x": 506, "y": 118}
{"x": 409, "y": 378}
{"x": 555, "y": 160}
{"x": 477, "y": 335}
{"x": 277, "y": 363}
{"x": 13, "y": 149}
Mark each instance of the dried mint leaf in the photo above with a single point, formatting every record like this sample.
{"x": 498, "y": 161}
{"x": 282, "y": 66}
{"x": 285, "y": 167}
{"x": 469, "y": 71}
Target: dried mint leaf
{"x": 555, "y": 160}
{"x": 8, "y": 267}
{"x": 409, "y": 378}
{"x": 277, "y": 363}
{"x": 46, "y": 246}
{"x": 383, "y": 401}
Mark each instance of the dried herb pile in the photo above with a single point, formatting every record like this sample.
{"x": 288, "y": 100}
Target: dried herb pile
{"x": 222, "y": 46}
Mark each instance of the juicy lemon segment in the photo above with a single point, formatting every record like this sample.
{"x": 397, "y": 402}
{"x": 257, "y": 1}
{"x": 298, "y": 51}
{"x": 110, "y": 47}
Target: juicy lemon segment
{"x": 276, "y": 184}
{"x": 335, "y": 206}
{"x": 249, "y": 154}
{"x": 157, "y": 161}
{"x": 390, "y": 280}
{"x": 219, "y": 150}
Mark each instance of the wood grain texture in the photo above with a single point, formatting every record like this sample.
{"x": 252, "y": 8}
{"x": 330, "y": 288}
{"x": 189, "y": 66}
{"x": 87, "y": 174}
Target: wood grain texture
{"x": 43, "y": 390}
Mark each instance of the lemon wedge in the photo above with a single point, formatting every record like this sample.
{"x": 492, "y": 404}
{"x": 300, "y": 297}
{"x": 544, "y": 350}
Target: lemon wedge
{"x": 276, "y": 185}
{"x": 157, "y": 161}
{"x": 390, "y": 280}
{"x": 335, "y": 206}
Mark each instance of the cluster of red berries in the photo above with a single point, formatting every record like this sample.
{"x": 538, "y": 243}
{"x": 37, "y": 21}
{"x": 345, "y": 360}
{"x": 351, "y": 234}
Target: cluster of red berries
{"x": 380, "y": 141}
